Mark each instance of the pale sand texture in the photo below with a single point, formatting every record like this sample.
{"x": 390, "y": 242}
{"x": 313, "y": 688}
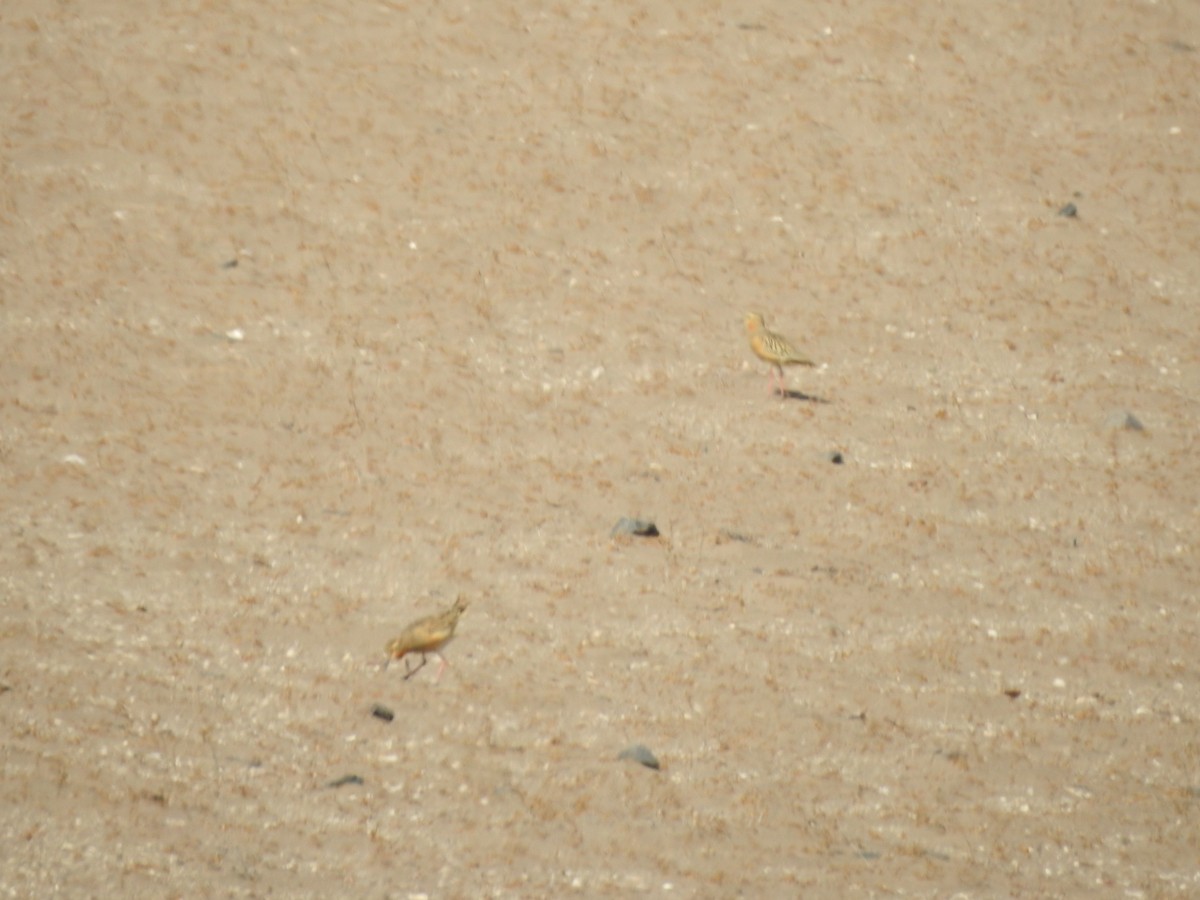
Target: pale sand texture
{"x": 492, "y": 266}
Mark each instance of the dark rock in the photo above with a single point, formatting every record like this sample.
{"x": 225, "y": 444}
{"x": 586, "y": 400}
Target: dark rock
{"x": 1124, "y": 419}
{"x": 836, "y": 457}
{"x": 345, "y": 780}
{"x": 640, "y": 527}
{"x": 380, "y": 711}
{"x": 640, "y": 753}
{"x": 1069, "y": 211}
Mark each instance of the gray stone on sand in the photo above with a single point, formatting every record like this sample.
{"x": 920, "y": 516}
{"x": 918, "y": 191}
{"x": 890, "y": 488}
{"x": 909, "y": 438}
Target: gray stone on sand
{"x": 640, "y": 527}
{"x": 1123, "y": 418}
{"x": 640, "y": 753}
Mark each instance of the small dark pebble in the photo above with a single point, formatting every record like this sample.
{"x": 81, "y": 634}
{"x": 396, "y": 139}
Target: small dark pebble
{"x": 1069, "y": 211}
{"x": 1126, "y": 420}
{"x": 640, "y": 753}
{"x": 1012, "y": 693}
{"x": 345, "y": 780}
{"x": 836, "y": 457}
{"x": 640, "y": 527}
{"x": 380, "y": 711}
{"x": 230, "y": 264}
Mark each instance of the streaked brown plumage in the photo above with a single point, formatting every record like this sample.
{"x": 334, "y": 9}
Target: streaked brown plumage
{"x": 427, "y": 635}
{"x": 771, "y": 348}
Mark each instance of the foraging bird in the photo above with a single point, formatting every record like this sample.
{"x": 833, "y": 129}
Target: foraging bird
{"x": 771, "y": 348}
{"x": 427, "y": 635}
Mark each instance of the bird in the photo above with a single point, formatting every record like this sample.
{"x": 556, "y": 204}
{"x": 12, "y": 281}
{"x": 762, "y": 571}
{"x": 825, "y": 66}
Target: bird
{"x": 771, "y": 348}
{"x": 425, "y": 636}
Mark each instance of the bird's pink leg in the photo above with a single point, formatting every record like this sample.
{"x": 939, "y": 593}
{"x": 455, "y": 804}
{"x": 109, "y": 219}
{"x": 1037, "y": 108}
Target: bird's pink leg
{"x": 441, "y": 668}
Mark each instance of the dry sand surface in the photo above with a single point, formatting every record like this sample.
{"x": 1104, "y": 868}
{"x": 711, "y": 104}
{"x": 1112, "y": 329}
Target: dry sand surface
{"x": 316, "y": 316}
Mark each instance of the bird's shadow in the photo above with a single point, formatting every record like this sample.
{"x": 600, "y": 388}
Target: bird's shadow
{"x": 807, "y": 398}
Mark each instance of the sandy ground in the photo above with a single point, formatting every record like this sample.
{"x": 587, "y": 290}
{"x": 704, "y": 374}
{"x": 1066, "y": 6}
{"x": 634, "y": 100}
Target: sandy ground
{"x": 313, "y": 320}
